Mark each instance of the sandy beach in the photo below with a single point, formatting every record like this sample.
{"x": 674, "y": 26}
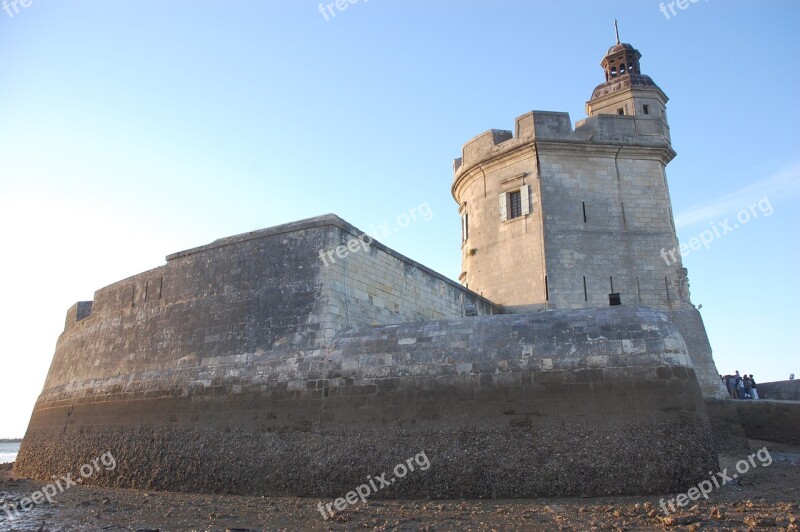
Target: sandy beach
{"x": 765, "y": 498}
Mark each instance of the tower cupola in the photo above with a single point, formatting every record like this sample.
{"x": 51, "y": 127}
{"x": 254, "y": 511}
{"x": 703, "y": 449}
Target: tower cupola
{"x": 622, "y": 59}
{"x": 626, "y": 91}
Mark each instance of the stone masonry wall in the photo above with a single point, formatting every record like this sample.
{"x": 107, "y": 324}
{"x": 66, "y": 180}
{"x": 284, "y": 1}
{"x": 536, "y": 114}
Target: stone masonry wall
{"x": 627, "y": 221}
{"x": 245, "y": 295}
{"x": 218, "y": 300}
{"x": 780, "y": 390}
{"x": 689, "y": 322}
{"x": 774, "y": 421}
{"x": 375, "y": 285}
{"x": 542, "y": 404}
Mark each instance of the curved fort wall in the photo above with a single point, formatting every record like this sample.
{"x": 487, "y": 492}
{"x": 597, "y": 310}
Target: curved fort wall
{"x": 246, "y": 294}
{"x": 251, "y": 366}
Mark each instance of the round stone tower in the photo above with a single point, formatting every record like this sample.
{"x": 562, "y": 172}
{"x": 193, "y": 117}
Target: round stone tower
{"x": 559, "y": 217}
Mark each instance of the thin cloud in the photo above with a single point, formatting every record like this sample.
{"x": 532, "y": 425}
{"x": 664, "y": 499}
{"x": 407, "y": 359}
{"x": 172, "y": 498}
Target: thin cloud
{"x": 782, "y": 184}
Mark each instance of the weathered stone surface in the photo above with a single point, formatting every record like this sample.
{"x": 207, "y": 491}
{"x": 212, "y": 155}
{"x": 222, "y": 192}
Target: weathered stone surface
{"x": 729, "y": 435}
{"x": 690, "y": 324}
{"x": 770, "y": 420}
{"x": 504, "y": 406}
{"x": 780, "y": 390}
{"x": 241, "y": 296}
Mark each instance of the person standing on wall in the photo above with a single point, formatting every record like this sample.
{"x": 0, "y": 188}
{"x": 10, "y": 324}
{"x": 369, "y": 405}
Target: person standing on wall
{"x": 739, "y": 385}
{"x": 731, "y": 385}
{"x": 753, "y": 388}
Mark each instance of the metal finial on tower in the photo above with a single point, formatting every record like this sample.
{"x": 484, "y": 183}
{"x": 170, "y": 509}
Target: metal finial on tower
{"x": 616, "y": 29}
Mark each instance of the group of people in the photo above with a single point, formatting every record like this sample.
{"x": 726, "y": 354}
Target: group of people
{"x": 740, "y": 387}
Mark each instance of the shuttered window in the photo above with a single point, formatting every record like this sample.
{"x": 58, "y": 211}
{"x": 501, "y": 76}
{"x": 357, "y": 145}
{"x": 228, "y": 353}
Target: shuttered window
{"x": 515, "y": 204}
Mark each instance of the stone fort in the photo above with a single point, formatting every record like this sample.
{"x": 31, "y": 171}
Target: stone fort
{"x": 567, "y": 360}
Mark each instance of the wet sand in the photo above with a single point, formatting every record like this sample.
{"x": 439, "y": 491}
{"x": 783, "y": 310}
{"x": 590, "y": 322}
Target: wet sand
{"x": 765, "y": 498}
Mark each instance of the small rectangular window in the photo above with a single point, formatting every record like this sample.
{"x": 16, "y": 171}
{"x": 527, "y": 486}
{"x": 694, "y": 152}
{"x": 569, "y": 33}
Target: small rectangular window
{"x": 514, "y": 205}
{"x": 620, "y": 111}
{"x": 464, "y": 227}
{"x": 646, "y": 109}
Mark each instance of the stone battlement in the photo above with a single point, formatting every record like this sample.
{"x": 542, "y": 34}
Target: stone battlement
{"x": 555, "y": 127}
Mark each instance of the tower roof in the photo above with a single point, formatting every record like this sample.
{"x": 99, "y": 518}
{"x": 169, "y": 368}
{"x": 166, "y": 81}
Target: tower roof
{"x": 622, "y": 69}
{"x": 619, "y": 47}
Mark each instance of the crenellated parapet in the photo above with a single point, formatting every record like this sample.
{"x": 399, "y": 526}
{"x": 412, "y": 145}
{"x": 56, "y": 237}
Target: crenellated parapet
{"x": 77, "y": 312}
{"x": 539, "y": 129}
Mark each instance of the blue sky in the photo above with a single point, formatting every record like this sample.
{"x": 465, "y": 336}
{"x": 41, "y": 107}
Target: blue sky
{"x": 130, "y": 130}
